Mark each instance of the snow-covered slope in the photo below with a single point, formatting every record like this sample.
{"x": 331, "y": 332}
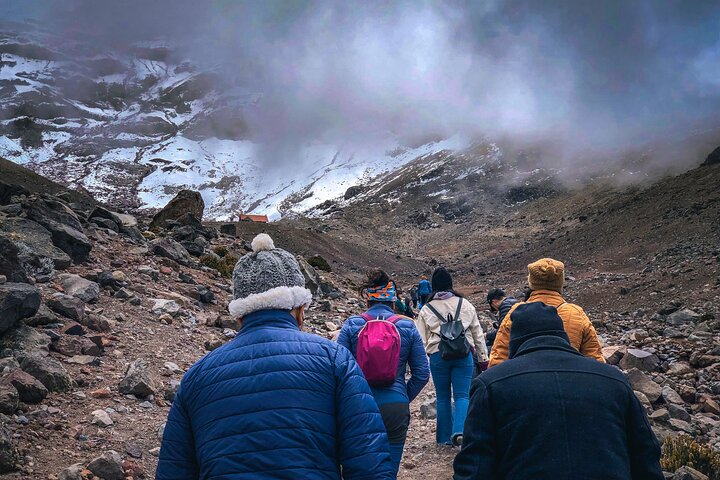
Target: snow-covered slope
{"x": 133, "y": 126}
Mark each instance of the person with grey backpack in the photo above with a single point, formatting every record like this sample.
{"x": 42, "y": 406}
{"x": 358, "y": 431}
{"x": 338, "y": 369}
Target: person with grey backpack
{"x": 451, "y": 332}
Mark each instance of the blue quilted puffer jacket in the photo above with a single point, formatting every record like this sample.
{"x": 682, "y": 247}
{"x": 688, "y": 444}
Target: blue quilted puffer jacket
{"x": 412, "y": 353}
{"x": 275, "y": 403}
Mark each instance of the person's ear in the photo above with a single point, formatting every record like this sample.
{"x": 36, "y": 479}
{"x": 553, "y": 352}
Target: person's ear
{"x": 299, "y": 314}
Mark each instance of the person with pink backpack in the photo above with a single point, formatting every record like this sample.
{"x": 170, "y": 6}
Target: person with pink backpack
{"x": 384, "y": 345}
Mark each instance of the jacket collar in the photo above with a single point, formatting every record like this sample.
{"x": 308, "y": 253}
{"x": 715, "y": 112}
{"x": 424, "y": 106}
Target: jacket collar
{"x": 380, "y": 311}
{"x": 545, "y": 342}
{"x": 548, "y": 297}
{"x": 268, "y": 318}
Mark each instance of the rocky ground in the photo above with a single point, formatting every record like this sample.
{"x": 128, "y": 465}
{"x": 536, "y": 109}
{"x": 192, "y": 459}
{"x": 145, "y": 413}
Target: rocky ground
{"x": 101, "y": 313}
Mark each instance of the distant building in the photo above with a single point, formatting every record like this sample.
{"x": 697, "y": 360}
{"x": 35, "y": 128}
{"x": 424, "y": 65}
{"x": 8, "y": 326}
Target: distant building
{"x": 254, "y": 218}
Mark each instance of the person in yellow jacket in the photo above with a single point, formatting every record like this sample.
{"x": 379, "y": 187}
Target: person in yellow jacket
{"x": 546, "y": 277}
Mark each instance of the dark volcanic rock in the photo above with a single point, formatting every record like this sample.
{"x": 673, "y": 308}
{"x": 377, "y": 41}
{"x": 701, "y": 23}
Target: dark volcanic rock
{"x": 168, "y": 248}
{"x": 10, "y": 264}
{"x": 8, "y": 453}
{"x": 186, "y": 201}
{"x": 47, "y": 370}
{"x": 67, "y": 306}
{"x": 63, "y": 224}
{"x": 34, "y": 243}
{"x": 25, "y": 339}
{"x": 713, "y": 158}
{"x": 7, "y": 191}
{"x": 17, "y": 301}
{"x": 137, "y": 381}
{"x": 29, "y": 389}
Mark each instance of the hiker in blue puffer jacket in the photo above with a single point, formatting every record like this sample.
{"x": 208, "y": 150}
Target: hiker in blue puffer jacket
{"x": 424, "y": 291}
{"x": 393, "y": 400}
{"x": 274, "y": 403}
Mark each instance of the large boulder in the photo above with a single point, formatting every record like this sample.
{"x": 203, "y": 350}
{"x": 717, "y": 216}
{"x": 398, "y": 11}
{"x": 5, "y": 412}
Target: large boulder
{"x": 312, "y": 279}
{"x": 10, "y": 264}
{"x": 640, "y": 359}
{"x": 63, "y": 224}
{"x": 137, "y": 381}
{"x": 46, "y": 369}
{"x": 186, "y": 201}
{"x": 79, "y": 287}
{"x": 34, "y": 243}
{"x": 17, "y": 301}
{"x": 8, "y": 190}
{"x": 168, "y": 248}
{"x": 9, "y": 399}
{"x": 683, "y": 317}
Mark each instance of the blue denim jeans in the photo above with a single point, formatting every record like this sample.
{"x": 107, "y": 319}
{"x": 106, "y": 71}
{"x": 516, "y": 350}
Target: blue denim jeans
{"x": 451, "y": 377}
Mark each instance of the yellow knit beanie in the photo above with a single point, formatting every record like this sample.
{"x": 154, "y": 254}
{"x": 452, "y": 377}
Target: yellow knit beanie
{"x": 546, "y": 274}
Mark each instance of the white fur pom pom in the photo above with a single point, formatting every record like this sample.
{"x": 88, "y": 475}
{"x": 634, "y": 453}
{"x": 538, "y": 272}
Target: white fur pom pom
{"x": 262, "y": 242}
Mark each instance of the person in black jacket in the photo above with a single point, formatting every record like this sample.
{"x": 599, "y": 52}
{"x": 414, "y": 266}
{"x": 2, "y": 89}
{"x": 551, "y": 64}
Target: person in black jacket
{"x": 551, "y": 413}
{"x": 500, "y": 304}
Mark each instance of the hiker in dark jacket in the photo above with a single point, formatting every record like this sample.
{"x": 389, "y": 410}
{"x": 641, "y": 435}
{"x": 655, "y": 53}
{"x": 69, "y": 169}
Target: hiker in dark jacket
{"x": 274, "y": 403}
{"x": 550, "y": 413}
{"x": 414, "y": 296}
{"x": 500, "y": 304}
{"x": 394, "y": 400}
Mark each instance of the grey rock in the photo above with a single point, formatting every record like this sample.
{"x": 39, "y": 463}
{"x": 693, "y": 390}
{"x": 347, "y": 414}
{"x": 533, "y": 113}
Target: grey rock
{"x": 162, "y": 306}
{"x": 678, "y": 412}
{"x": 137, "y": 381}
{"x": 171, "y": 390}
{"x": 9, "y": 399}
{"x": 168, "y": 248}
{"x": 671, "y": 396}
{"x": 63, "y": 224}
{"x": 25, "y": 339}
{"x": 100, "y": 418}
{"x": 11, "y": 266}
{"x": 639, "y": 359}
{"x": 79, "y": 287}
{"x": 312, "y": 279}
{"x": 689, "y": 473}
{"x": 8, "y": 452}
{"x": 67, "y": 306}
{"x": 17, "y": 301}
{"x": 108, "y": 466}
{"x": 33, "y": 243}
{"x": 660, "y": 415}
{"x": 29, "y": 389}
{"x": 44, "y": 316}
{"x": 642, "y": 383}
{"x": 428, "y": 409}
{"x": 185, "y": 202}
{"x": 47, "y": 370}
{"x": 682, "y": 426}
{"x": 682, "y": 317}
{"x": 73, "y": 472}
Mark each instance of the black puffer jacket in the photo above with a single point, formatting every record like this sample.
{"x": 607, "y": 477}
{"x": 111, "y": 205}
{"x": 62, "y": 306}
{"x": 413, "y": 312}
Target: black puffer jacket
{"x": 550, "y": 413}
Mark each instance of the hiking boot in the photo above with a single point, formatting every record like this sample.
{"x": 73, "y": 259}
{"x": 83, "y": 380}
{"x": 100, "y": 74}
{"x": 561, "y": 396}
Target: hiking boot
{"x": 457, "y": 439}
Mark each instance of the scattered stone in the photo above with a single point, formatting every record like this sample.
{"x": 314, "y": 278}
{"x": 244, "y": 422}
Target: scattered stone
{"x": 44, "y": 316}
{"x": 229, "y": 333}
{"x": 27, "y": 243}
{"x": 689, "y": 473}
{"x": 84, "y": 360}
{"x": 137, "y": 381}
{"x": 9, "y": 399}
{"x": 72, "y": 328}
{"x": 171, "y": 390}
{"x": 132, "y": 469}
{"x": 660, "y": 415}
{"x": 671, "y": 396}
{"x": 682, "y": 317}
{"x": 67, "y": 306}
{"x": 3, "y": 279}
{"x": 25, "y": 339}
{"x": 8, "y": 452}
{"x": 108, "y": 466}
{"x": 614, "y": 354}
{"x": 101, "y": 393}
{"x": 80, "y": 287}
{"x": 134, "y": 450}
{"x": 73, "y": 472}
{"x": 29, "y": 389}
{"x": 679, "y": 368}
{"x": 312, "y": 279}
{"x": 100, "y": 418}
{"x": 428, "y": 409}
{"x": 168, "y": 248}
{"x": 678, "y": 412}
{"x": 162, "y": 306}
{"x": 639, "y": 359}
{"x": 174, "y": 368}
{"x": 710, "y": 406}
{"x": 682, "y": 426}
{"x": 643, "y": 384}
{"x": 63, "y": 224}
{"x": 123, "y": 294}
{"x": 331, "y": 326}
{"x": 213, "y": 343}
{"x": 47, "y": 370}
{"x": 155, "y": 452}
{"x": 17, "y": 301}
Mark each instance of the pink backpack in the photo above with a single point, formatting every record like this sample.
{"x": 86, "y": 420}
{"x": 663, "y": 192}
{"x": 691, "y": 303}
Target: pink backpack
{"x": 378, "y": 350}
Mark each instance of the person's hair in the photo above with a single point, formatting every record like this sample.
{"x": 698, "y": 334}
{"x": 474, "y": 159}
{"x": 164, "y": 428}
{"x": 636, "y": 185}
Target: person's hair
{"x": 376, "y": 278}
{"x": 495, "y": 294}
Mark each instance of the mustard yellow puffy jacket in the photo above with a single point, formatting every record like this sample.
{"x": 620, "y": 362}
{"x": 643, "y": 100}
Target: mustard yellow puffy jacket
{"x": 577, "y": 325}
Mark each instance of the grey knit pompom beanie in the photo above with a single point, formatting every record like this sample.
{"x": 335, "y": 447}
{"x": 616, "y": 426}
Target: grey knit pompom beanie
{"x": 267, "y": 278}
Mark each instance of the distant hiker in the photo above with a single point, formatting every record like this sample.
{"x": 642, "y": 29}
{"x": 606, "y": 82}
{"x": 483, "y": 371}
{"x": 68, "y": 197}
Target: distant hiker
{"x": 384, "y": 344}
{"x": 274, "y": 402}
{"x": 451, "y": 332}
{"x": 424, "y": 290}
{"x": 551, "y": 413}
{"x": 546, "y": 278}
{"x": 500, "y": 305}
{"x": 414, "y": 296}
{"x": 409, "y": 305}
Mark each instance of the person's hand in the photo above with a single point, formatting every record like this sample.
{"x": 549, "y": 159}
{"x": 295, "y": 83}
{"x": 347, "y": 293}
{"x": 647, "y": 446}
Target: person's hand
{"x": 482, "y": 366}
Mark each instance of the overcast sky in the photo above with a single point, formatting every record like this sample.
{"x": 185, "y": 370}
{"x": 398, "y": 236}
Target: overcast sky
{"x": 600, "y": 74}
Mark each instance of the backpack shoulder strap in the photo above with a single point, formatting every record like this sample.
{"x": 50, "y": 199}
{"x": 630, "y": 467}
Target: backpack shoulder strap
{"x": 459, "y": 308}
{"x": 366, "y": 317}
{"x": 435, "y": 312}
